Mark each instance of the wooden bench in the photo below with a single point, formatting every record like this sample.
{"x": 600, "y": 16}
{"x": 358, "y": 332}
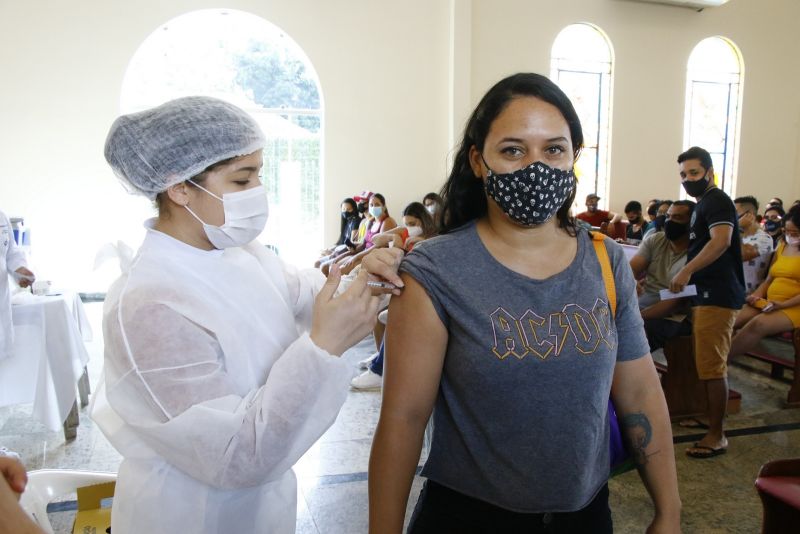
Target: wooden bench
{"x": 684, "y": 391}
{"x": 779, "y": 364}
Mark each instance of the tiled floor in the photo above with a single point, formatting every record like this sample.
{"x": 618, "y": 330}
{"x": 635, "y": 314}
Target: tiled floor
{"x": 717, "y": 494}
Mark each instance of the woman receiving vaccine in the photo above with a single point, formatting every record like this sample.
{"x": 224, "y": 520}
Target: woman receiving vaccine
{"x": 507, "y": 331}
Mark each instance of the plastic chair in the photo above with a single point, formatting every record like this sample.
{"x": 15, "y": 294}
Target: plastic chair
{"x": 46, "y": 485}
{"x": 778, "y": 485}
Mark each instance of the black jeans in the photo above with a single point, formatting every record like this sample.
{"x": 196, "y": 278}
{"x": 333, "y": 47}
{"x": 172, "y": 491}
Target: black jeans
{"x": 659, "y": 331}
{"x": 441, "y": 510}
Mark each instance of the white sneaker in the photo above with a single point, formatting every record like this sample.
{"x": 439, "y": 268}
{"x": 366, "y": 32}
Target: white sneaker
{"x": 365, "y": 363}
{"x": 367, "y": 381}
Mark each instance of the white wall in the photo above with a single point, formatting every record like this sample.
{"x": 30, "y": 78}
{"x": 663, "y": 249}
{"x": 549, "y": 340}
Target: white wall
{"x": 399, "y": 79}
{"x": 382, "y": 66}
{"x": 652, "y": 44}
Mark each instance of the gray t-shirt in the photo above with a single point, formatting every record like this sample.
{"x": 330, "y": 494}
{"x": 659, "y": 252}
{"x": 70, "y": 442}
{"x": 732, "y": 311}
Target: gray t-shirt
{"x": 521, "y": 415}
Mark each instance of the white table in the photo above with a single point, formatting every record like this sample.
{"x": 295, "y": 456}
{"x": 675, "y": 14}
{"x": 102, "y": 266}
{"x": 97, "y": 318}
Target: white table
{"x": 48, "y": 359}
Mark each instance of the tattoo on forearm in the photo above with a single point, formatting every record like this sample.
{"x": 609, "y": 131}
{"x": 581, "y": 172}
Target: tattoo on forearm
{"x": 638, "y": 432}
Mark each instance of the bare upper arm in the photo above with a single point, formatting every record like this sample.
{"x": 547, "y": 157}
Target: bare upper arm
{"x": 388, "y": 224}
{"x": 416, "y": 341}
{"x": 632, "y": 379}
{"x": 638, "y": 265}
{"x": 721, "y": 234}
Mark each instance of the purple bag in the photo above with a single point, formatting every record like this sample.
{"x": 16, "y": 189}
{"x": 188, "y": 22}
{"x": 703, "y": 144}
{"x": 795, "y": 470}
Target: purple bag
{"x": 619, "y": 458}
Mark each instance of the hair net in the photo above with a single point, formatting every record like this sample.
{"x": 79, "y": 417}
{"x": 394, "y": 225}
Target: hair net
{"x": 154, "y": 149}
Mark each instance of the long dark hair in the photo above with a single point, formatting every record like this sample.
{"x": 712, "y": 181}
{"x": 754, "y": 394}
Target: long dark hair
{"x": 416, "y": 209}
{"x": 433, "y": 196}
{"x": 383, "y": 203}
{"x": 463, "y": 193}
{"x": 344, "y": 231}
{"x": 792, "y": 215}
{"x": 437, "y": 217}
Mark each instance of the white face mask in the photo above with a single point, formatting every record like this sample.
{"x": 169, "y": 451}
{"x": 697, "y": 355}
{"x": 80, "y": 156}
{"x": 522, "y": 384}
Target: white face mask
{"x": 414, "y": 231}
{"x": 432, "y": 208}
{"x": 792, "y": 240}
{"x": 246, "y": 215}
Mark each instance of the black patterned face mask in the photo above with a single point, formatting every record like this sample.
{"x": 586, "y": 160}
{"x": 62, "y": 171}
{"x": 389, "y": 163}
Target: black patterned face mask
{"x": 531, "y": 195}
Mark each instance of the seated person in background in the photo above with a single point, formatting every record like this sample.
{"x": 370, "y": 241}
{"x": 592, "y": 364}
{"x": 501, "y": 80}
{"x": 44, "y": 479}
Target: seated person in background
{"x": 775, "y": 306}
{"x": 381, "y": 222}
{"x": 417, "y": 226}
{"x": 773, "y": 217}
{"x": 365, "y": 220}
{"x": 434, "y": 203}
{"x": 635, "y": 230}
{"x": 661, "y": 216}
{"x": 652, "y": 213}
{"x": 595, "y": 216}
{"x": 756, "y": 243}
{"x": 347, "y": 232}
{"x": 775, "y": 201}
{"x": 660, "y": 257}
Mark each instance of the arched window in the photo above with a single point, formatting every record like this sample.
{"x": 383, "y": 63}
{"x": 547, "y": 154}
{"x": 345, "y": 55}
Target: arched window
{"x": 249, "y": 62}
{"x": 581, "y": 63}
{"x": 713, "y": 100}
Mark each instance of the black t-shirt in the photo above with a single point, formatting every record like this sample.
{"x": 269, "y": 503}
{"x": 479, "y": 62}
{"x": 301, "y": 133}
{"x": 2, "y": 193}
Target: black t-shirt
{"x": 630, "y": 234}
{"x": 722, "y": 282}
{"x": 351, "y": 223}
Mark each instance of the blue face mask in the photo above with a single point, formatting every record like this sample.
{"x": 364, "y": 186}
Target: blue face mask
{"x": 772, "y": 226}
{"x": 376, "y": 211}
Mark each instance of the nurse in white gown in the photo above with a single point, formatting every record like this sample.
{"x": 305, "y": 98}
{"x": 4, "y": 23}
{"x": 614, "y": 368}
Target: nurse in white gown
{"x": 221, "y": 363}
{"x": 12, "y": 262}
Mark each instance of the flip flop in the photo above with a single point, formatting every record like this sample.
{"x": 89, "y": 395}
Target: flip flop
{"x": 704, "y": 451}
{"x": 692, "y": 423}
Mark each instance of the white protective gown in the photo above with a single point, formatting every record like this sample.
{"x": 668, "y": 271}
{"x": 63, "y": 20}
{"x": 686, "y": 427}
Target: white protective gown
{"x": 11, "y": 259}
{"x": 212, "y": 388}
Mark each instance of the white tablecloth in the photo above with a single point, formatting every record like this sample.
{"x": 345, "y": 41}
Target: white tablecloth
{"x": 48, "y": 357}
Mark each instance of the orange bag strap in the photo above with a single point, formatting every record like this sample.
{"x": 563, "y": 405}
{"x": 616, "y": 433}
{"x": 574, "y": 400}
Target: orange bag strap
{"x": 598, "y": 240}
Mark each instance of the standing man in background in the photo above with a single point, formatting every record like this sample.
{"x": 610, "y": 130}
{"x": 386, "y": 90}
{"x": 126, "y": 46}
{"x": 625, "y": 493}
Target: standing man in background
{"x": 714, "y": 266}
{"x": 756, "y": 243}
{"x": 12, "y": 262}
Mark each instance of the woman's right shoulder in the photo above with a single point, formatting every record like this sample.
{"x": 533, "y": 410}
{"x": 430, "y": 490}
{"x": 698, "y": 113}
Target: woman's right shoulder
{"x": 453, "y": 242}
{"x": 438, "y": 256}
